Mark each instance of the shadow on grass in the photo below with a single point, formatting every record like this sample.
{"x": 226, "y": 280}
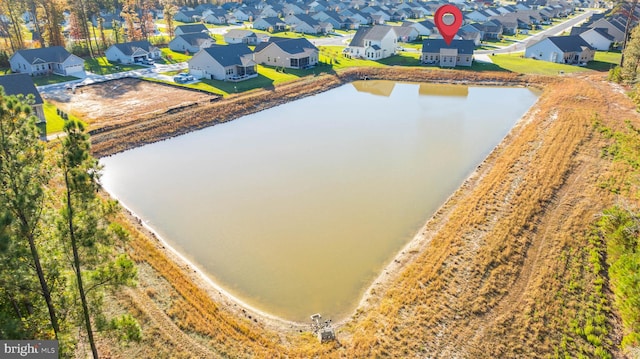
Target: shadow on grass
{"x": 51, "y": 79}
{"x": 102, "y": 66}
{"x": 486, "y": 66}
{"x": 242, "y": 86}
{"x": 400, "y": 60}
{"x": 601, "y": 66}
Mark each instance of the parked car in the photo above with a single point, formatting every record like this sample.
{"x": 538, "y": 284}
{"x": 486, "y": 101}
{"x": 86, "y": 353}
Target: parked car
{"x": 148, "y": 61}
{"x": 183, "y": 78}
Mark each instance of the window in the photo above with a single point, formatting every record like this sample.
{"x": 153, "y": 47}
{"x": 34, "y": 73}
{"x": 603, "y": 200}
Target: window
{"x": 230, "y": 71}
{"x": 268, "y": 59}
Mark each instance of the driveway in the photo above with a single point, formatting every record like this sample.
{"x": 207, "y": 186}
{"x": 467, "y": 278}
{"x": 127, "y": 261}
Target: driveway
{"x": 554, "y": 30}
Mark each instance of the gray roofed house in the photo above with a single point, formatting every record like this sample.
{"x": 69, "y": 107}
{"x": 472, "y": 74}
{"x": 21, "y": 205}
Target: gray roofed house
{"x": 240, "y": 36}
{"x": 132, "y": 52}
{"x": 225, "y": 62}
{"x": 47, "y": 60}
{"x": 192, "y": 42}
{"x": 22, "y": 84}
{"x": 383, "y": 37}
{"x": 269, "y": 24}
{"x": 458, "y": 53}
{"x": 561, "y": 49}
{"x": 295, "y": 53}
{"x": 188, "y": 16}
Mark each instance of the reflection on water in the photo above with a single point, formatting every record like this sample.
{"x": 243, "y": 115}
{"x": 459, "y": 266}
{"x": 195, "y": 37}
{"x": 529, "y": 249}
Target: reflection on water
{"x": 297, "y": 208}
{"x": 443, "y": 90}
{"x": 375, "y": 87}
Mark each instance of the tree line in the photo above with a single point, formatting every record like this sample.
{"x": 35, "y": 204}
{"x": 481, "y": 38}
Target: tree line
{"x": 60, "y": 250}
{"x": 48, "y": 16}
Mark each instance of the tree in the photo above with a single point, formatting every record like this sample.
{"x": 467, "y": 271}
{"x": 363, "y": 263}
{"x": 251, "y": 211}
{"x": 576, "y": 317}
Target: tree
{"x": 632, "y": 57}
{"x": 23, "y": 176}
{"x": 85, "y": 226}
{"x": 79, "y": 177}
{"x": 170, "y": 9}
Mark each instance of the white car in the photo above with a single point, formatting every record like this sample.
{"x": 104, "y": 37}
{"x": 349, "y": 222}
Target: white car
{"x": 183, "y": 77}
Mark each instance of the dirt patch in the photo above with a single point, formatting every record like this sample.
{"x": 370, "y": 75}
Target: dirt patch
{"x": 127, "y": 100}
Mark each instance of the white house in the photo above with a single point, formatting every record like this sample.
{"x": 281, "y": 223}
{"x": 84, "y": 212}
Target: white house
{"x": 561, "y": 49}
{"x": 437, "y": 52}
{"x": 22, "y": 84}
{"x": 285, "y": 52}
{"x": 598, "y": 38}
{"x": 373, "y": 43}
{"x": 270, "y": 24}
{"x": 47, "y": 60}
{"x": 239, "y": 36}
{"x": 192, "y": 42}
{"x": 228, "y": 62}
{"x": 131, "y": 52}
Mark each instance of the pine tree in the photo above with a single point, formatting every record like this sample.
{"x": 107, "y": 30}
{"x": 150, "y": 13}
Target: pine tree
{"x": 23, "y": 176}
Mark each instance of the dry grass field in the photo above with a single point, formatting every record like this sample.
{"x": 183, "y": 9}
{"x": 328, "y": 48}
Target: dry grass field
{"x": 503, "y": 270}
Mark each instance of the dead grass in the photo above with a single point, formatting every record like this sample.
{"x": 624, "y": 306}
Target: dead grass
{"x": 500, "y": 271}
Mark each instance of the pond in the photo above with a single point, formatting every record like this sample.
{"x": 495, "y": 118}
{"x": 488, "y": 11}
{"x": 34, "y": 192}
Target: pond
{"x": 296, "y": 209}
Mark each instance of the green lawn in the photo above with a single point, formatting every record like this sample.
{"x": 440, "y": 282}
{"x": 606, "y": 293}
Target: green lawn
{"x": 605, "y": 60}
{"x": 51, "y": 79}
{"x": 55, "y": 123}
{"x": 101, "y": 66}
{"x": 173, "y": 56}
{"x": 516, "y": 63}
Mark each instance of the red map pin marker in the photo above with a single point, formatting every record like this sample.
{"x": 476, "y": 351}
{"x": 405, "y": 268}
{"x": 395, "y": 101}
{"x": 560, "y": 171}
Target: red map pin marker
{"x": 448, "y": 19}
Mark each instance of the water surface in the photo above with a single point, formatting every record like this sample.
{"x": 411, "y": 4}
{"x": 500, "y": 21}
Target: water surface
{"x": 296, "y": 209}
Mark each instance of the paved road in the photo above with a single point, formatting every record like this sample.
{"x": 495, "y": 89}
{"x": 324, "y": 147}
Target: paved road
{"x": 555, "y": 30}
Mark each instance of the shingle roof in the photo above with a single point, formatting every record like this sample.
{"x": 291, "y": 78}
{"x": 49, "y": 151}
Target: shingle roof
{"x": 192, "y": 28}
{"x": 196, "y": 38}
{"x": 240, "y": 33}
{"x": 291, "y": 46}
{"x": 434, "y": 45}
{"x": 15, "y": 84}
{"x": 377, "y": 33}
{"x": 128, "y": 48}
{"x": 45, "y": 54}
{"x": 229, "y": 55}
{"x": 569, "y": 43}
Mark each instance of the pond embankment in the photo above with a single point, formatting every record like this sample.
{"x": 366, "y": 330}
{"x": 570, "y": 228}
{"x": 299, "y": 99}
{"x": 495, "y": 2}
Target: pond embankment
{"x": 138, "y": 131}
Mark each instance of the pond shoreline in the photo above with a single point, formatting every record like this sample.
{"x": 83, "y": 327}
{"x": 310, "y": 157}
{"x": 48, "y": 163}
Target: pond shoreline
{"x": 110, "y": 141}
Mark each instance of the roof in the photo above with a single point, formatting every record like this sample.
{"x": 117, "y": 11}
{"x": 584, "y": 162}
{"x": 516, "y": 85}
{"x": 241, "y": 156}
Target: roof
{"x": 434, "y": 45}
{"x": 569, "y": 43}
{"x": 45, "y": 54}
{"x": 240, "y": 33}
{"x": 273, "y": 21}
{"x": 195, "y": 38}
{"x": 192, "y": 28}
{"x": 229, "y": 55}
{"x": 16, "y": 84}
{"x": 290, "y": 46}
{"x": 129, "y": 48}
{"x": 377, "y": 33}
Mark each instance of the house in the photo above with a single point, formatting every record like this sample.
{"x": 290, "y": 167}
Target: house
{"x": 228, "y": 62}
{"x": 330, "y": 17}
{"x": 271, "y": 24}
{"x": 295, "y": 53}
{"x": 132, "y": 52}
{"x": 373, "y": 43}
{"x": 217, "y": 17}
{"x": 188, "y": 29}
{"x": 192, "y": 42}
{"x": 405, "y": 33}
{"x": 305, "y": 24}
{"x": 598, "y": 38}
{"x": 22, "y": 84}
{"x": 238, "y": 36}
{"x": 188, "y": 16}
{"x": 47, "y": 60}
{"x": 613, "y": 28}
{"x": 561, "y": 49}
{"x": 437, "y": 52}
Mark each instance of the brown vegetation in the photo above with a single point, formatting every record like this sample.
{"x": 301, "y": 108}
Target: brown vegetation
{"x": 500, "y": 271}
